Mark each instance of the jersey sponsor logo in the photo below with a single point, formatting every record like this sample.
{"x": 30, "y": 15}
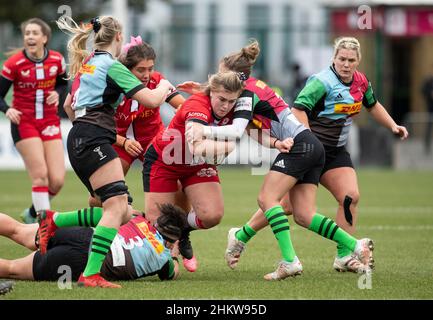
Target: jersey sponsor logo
{"x": 244, "y": 103}
{"x": 25, "y": 73}
{"x": 51, "y": 131}
{"x": 150, "y": 236}
{"x": 261, "y": 84}
{"x": 145, "y": 114}
{"x": 196, "y": 115}
{"x": 87, "y": 69}
{"x": 207, "y": 172}
{"x": 53, "y": 70}
{"x": 45, "y": 84}
{"x": 348, "y": 108}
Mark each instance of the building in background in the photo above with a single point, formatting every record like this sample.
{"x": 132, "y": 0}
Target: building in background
{"x": 397, "y": 57}
{"x": 190, "y": 36}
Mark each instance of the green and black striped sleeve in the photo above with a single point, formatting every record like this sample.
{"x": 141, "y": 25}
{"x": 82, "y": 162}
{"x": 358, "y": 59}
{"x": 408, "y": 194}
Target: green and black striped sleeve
{"x": 119, "y": 76}
{"x": 369, "y": 99}
{"x": 310, "y": 95}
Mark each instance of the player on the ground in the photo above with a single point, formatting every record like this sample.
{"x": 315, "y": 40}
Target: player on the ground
{"x": 139, "y": 249}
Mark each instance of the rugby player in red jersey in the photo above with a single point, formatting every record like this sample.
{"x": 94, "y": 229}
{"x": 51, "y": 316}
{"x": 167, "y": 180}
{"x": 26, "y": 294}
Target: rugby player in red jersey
{"x": 170, "y": 158}
{"x": 38, "y": 78}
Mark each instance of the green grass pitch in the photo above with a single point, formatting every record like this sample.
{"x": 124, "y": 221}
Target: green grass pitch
{"x": 396, "y": 211}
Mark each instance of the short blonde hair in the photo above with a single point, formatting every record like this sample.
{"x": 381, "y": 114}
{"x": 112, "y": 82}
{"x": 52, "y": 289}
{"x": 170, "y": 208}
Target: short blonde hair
{"x": 349, "y": 43}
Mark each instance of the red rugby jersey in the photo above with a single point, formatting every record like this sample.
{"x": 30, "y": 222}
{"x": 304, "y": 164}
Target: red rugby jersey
{"x": 196, "y": 108}
{"x": 136, "y": 121}
{"x": 33, "y": 81}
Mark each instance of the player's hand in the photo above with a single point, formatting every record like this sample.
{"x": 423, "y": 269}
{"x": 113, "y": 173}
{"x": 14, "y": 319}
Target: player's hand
{"x": 167, "y": 84}
{"x": 400, "y": 131}
{"x": 53, "y": 98}
{"x": 14, "y": 115}
{"x": 285, "y": 145}
{"x": 133, "y": 147}
{"x": 193, "y": 132}
{"x": 174, "y": 250}
{"x": 190, "y": 87}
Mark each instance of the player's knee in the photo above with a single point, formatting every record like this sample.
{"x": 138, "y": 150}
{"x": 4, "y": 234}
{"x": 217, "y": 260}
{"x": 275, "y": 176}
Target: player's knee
{"x": 351, "y": 196}
{"x": 264, "y": 201}
{"x": 212, "y": 217}
{"x": 112, "y": 189}
{"x": 56, "y": 185}
{"x": 129, "y": 212}
{"x": 40, "y": 180}
{"x": 94, "y": 201}
{"x": 301, "y": 219}
{"x": 287, "y": 207}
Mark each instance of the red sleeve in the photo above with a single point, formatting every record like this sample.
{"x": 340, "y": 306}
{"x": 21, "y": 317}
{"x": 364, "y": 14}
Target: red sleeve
{"x": 197, "y": 109}
{"x": 9, "y": 69}
{"x": 157, "y": 76}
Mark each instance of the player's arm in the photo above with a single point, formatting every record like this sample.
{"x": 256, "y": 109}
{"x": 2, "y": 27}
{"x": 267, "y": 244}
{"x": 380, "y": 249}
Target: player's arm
{"x": 61, "y": 86}
{"x": 170, "y": 270}
{"x": 175, "y": 99}
{"x": 242, "y": 114}
{"x": 380, "y": 114}
{"x": 5, "y": 85}
{"x": 310, "y": 96}
{"x": 12, "y": 114}
{"x": 207, "y": 147}
{"x": 120, "y": 78}
{"x": 190, "y": 87}
{"x": 265, "y": 139}
{"x": 133, "y": 147}
{"x": 302, "y": 116}
{"x": 67, "y": 106}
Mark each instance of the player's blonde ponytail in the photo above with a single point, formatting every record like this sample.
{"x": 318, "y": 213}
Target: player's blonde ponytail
{"x": 104, "y": 29}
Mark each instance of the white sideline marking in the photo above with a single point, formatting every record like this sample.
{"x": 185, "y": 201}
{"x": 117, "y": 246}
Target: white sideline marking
{"x": 385, "y": 209}
{"x": 398, "y": 227}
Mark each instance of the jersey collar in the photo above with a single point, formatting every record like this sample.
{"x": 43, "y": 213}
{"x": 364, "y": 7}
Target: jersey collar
{"x": 347, "y": 84}
{"x": 36, "y": 60}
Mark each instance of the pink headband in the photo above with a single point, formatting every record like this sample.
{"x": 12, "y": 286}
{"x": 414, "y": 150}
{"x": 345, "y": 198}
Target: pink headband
{"x": 134, "y": 42}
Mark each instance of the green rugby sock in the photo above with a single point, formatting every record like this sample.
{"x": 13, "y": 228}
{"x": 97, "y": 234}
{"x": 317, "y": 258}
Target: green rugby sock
{"x": 245, "y": 233}
{"x": 329, "y": 229}
{"x": 101, "y": 242}
{"x": 87, "y": 217}
{"x": 280, "y": 227}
